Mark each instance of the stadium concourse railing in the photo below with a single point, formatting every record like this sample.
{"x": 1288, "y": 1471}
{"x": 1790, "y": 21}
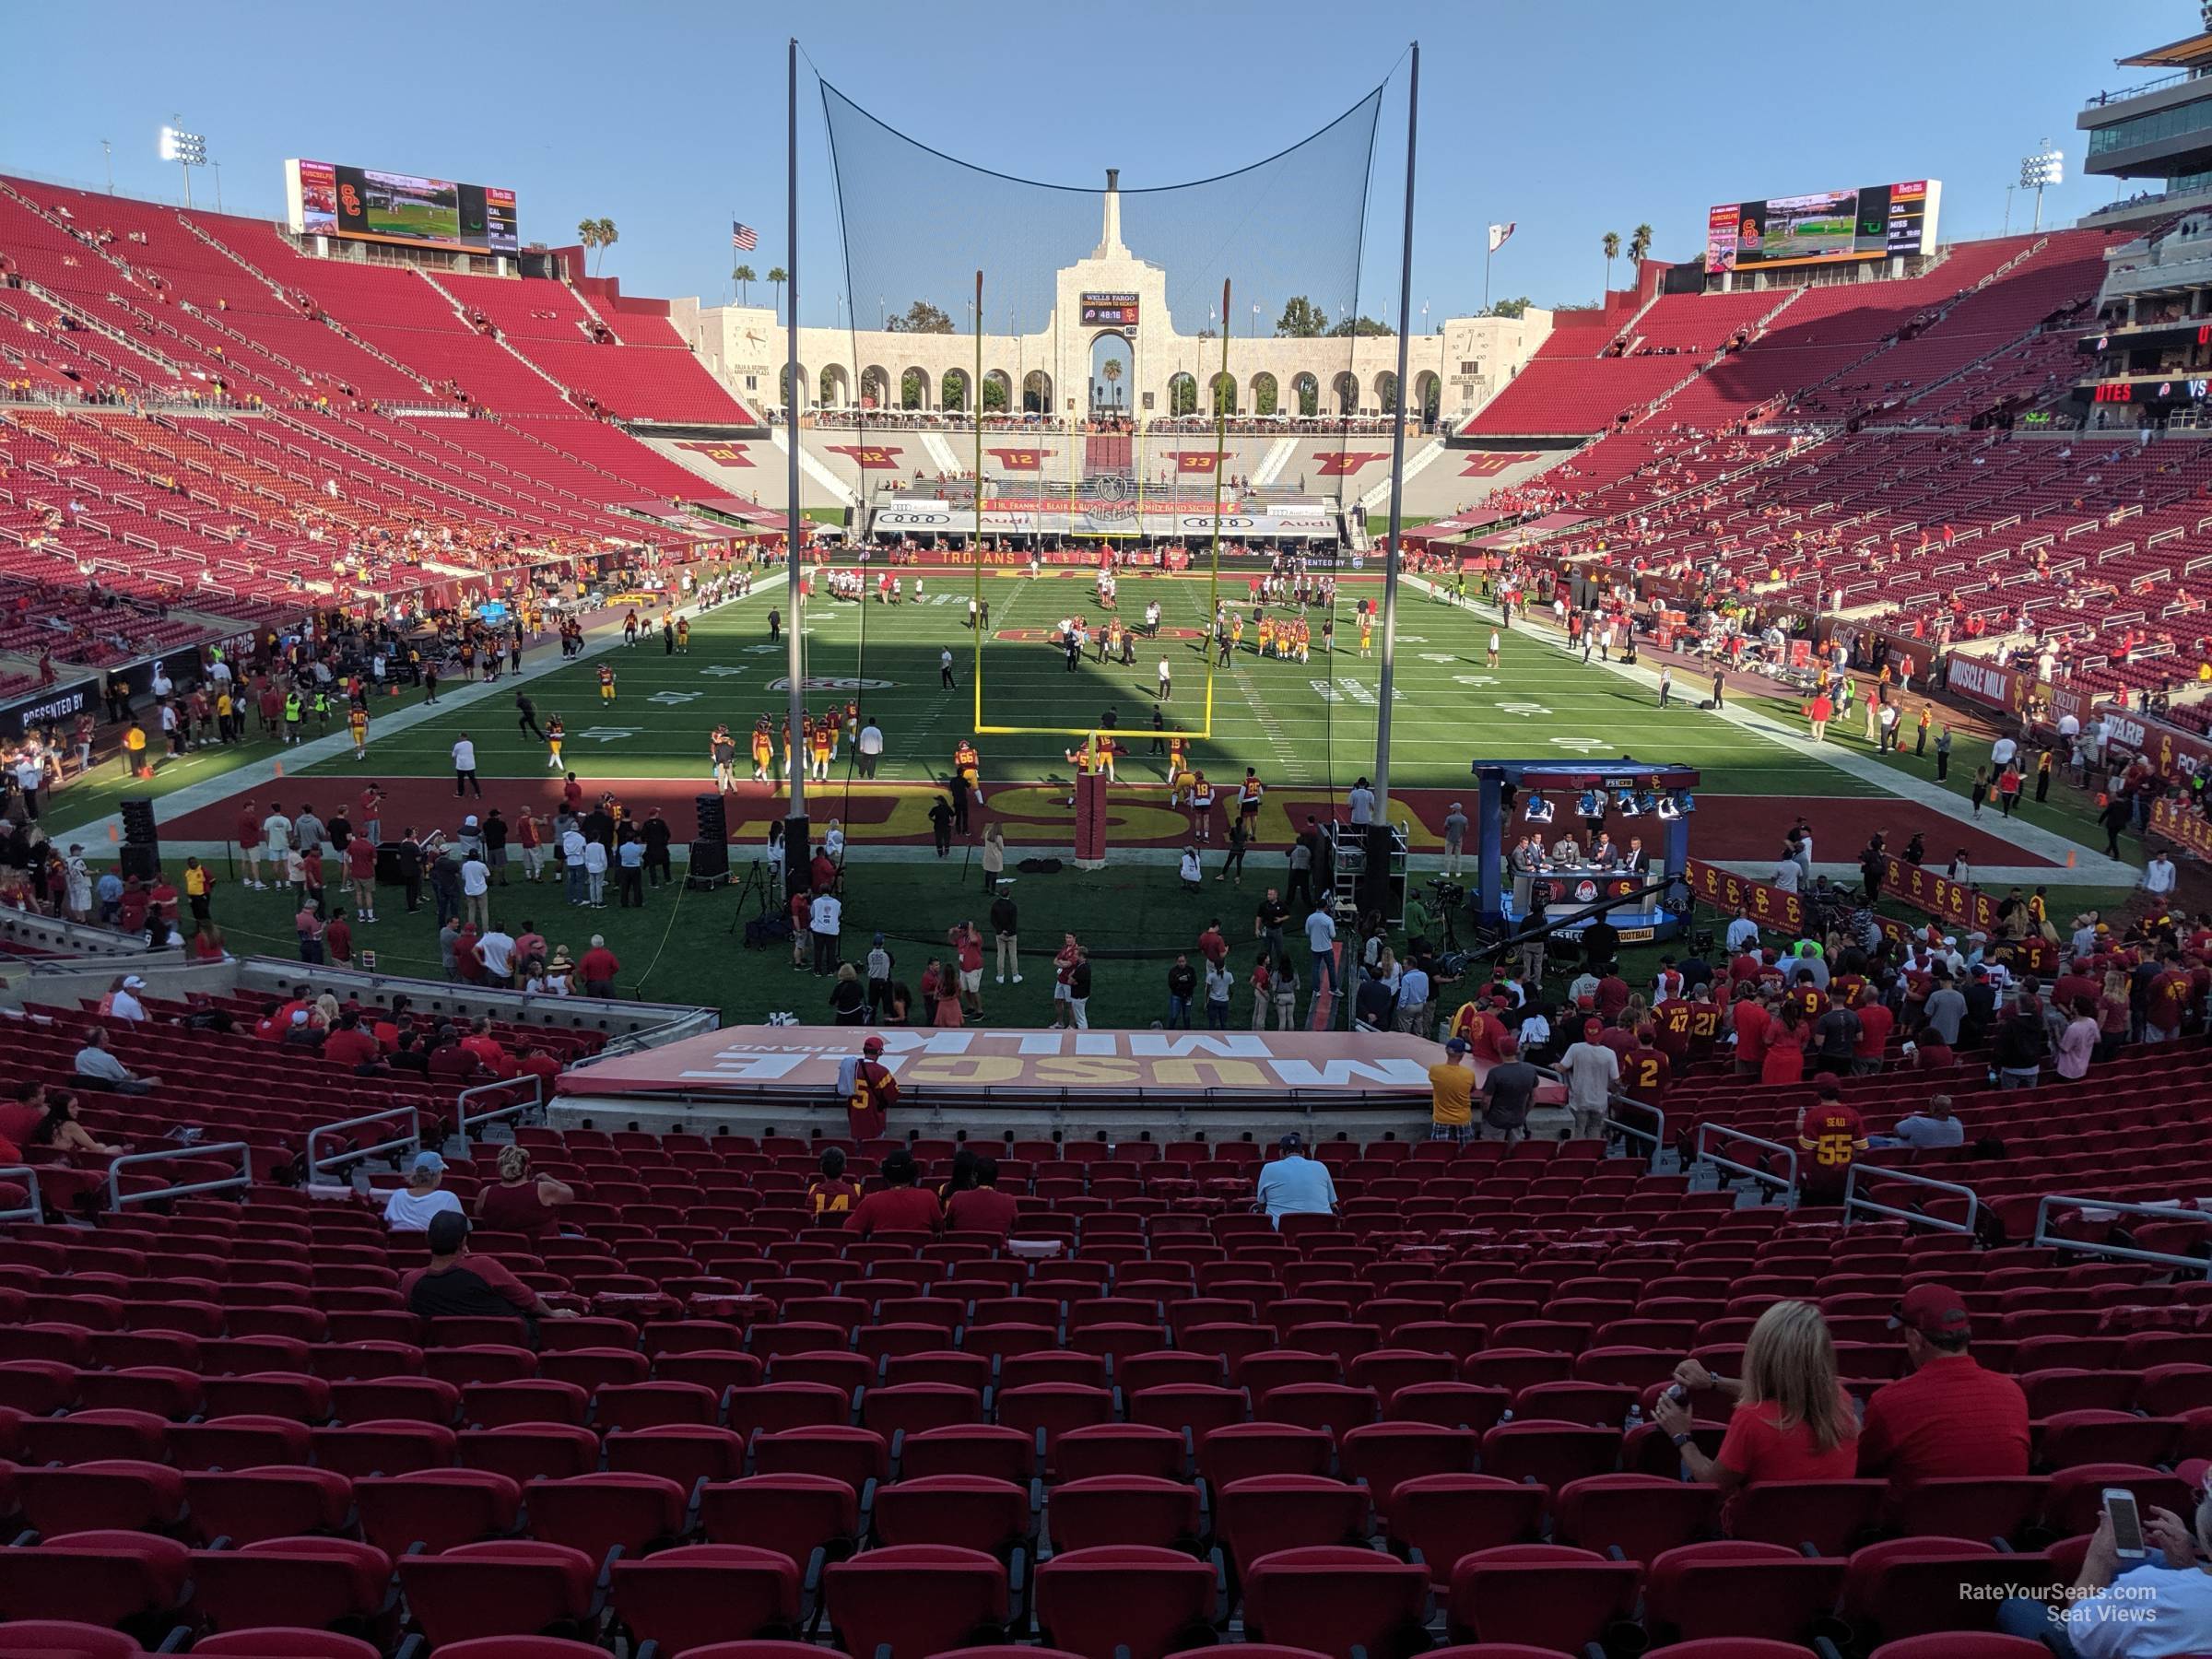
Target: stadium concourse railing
{"x": 2048, "y": 1209}
{"x": 118, "y": 1200}
{"x": 33, "y": 1207}
{"x": 466, "y": 1124}
{"x": 1704, "y": 1153}
{"x": 1855, "y": 1202}
{"x": 410, "y": 1117}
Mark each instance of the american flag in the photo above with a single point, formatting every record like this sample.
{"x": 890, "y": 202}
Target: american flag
{"x": 743, "y": 237}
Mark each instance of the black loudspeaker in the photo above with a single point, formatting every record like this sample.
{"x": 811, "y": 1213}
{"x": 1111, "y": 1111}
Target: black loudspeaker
{"x": 141, "y": 852}
{"x": 710, "y": 861}
{"x": 713, "y": 826}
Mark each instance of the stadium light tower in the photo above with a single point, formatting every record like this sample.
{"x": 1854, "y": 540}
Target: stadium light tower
{"x": 188, "y": 150}
{"x": 2039, "y": 172}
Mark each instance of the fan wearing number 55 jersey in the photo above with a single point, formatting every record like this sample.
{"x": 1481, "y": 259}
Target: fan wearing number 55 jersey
{"x": 1830, "y": 1136}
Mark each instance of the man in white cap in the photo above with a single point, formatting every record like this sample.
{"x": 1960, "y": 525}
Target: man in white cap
{"x": 410, "y": 1209}
{"x": 123, "y": 1002}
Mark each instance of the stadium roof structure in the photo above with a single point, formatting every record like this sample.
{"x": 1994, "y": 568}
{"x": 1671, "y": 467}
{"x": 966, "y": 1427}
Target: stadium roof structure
{"x": 2195, "y": 50}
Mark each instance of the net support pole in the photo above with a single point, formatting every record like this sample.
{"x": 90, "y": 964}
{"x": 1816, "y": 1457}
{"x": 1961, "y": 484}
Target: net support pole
{"x": 1213, "y": 588}
{"x": 1397, "y": 456}
{"x": 975, "y": 549}
{"x": 796, "y": 853}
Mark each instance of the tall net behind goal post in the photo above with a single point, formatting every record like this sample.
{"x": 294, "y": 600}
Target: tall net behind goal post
{"x": 1140, "y": 366}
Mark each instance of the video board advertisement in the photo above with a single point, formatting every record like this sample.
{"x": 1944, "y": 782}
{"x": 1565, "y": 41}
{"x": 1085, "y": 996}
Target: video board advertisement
{"x": 1830, "y": 227}
{"x": 1109, "y": 311}
{"x": 329, "y": 198}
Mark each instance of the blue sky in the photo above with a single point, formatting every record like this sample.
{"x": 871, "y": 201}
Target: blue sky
{"x": 1570, "y": 119}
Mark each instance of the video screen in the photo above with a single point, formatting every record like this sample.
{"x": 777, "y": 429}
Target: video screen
{"x": 1827, "y": 226}
{"x": 331, "y": 199}
{"x": 1109, "y": 311}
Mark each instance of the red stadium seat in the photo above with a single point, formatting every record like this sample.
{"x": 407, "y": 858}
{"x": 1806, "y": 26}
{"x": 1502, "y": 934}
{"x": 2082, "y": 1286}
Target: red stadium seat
{"x": 1335, "y": 1599}
{"x": 918, "y": 1599}
{"x": 685, "y": 1597}
{"x": 1125, "y": 1598}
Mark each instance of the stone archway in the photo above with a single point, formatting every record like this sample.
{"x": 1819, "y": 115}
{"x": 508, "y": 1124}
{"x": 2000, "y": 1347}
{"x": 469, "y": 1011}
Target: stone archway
{"x": 875, "y": 387}
{"x": 1305, "y": 395}
{"x": 1345, "y": 388}
{"x": 1112, "y": 374}
{"x": 998, "y": 392}
{"x": 1266, "y": 398}
{"x": 1036, "y": 393}
{"x": 952, "y": 391}
{"x": 1427, "y": 394}
{"x": 1183, "y": 394}
{"x": 836, "y": 387}
{"x": 791, "y": 406}
{"x": 1222, "y": 395}
{"x": 1386, "y": 392}
{"x": 913, "y": 388}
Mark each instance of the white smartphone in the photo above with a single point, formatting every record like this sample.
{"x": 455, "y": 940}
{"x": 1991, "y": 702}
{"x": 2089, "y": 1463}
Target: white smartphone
{"x": 2127, "y": 1524}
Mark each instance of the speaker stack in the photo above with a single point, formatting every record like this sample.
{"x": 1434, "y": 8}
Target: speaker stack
{"x": 710, "y": 850}
{"x": 141, "y": 846}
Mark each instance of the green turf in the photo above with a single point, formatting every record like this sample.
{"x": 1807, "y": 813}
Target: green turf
{"x": 1306, "y": 725}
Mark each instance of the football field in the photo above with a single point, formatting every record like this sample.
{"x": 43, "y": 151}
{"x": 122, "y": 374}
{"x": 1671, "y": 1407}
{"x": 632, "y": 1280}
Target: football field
{"x": 1308, "y": 730}
{"x": 1310, "y": 726}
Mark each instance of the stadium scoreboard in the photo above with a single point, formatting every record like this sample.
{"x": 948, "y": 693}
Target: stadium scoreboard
{"x": 1109, "y": 311}
{"x": 1829, "y": 226}
{"x": 328, "y": 199}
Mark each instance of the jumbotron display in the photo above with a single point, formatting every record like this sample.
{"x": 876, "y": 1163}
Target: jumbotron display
{"x": 1829, "y": 226}
{"x": 327, "y": 198}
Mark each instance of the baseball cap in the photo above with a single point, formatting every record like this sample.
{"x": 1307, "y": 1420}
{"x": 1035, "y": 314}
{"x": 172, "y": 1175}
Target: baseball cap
{"x": 873, "y": 1045}
{"x": 131, "y": 981}
{"x": 427, "y": 1163}
{"x": 1933, "y": 1311}
{"x": 1458, "y": 1045}
{"x": 1291, "y": 1142}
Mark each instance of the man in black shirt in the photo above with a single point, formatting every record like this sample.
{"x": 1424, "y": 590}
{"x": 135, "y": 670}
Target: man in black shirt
{"x": 1005, "y": 922}
{"x": 657, "y": 837}
{"x": 1182, "y": 980}
{"x": 457, "y": 1286}
{"x": 1267, "y": 923}
{"x": 1601, "y": 942}
{"x": 1375, "y": 1004}
{"x": 495, "y": 846}
{"x": 528, "y": 711}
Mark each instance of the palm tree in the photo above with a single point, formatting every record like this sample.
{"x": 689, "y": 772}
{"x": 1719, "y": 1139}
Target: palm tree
{"x": 741, "y": 275}
{"x": 1639, "y": 248}
{"x": 777, "y": 278}
{"x": 1112, "y": 370}
{"x": 1612, "y": 247}
{"x": 598, "y": 233}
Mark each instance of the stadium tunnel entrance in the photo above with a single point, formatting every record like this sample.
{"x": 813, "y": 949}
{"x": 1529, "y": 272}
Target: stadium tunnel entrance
{"x": 1112, "y": 374}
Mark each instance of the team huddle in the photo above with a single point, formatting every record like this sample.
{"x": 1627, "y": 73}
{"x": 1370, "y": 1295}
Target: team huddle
{"x": 818, "y": 737}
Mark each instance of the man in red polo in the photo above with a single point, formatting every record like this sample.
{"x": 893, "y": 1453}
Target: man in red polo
{"x": 1948, "y": 1417}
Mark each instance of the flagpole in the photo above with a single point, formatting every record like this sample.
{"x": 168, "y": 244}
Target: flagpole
{"x": 1489, "y": 239}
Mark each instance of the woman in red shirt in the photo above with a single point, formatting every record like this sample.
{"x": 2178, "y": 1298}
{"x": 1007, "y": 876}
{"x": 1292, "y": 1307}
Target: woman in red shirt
{"x": 1791, "y": 1422}
{"x": 1784, "y": 1060}
{"x": 522, "y": 1202}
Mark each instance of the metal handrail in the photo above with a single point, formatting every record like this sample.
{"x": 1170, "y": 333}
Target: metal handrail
{"x": 410, "y": 1142}
{"x": 1705, "y": 1154}
{"x": 1873, "y": 1173}
{"x": 2165, "y": 1212}
{"x": 118, "y": 1198}
{"x": 464, "y": 1123}
{"x": 29, "y": 1175}
{"x": 1656, "y": 1136}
